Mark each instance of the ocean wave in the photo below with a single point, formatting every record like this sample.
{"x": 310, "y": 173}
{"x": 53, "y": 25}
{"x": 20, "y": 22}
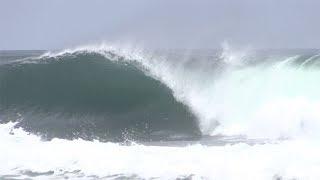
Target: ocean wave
{"x": 91, "y": 96}
{"x": 235, "y": 92}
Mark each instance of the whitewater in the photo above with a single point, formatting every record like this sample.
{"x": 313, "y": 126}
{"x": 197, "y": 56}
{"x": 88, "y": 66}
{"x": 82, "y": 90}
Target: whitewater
{"x": 262, "y": 106}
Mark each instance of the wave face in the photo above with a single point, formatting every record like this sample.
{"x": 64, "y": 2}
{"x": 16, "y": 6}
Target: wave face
{"x": 87, "y": 95}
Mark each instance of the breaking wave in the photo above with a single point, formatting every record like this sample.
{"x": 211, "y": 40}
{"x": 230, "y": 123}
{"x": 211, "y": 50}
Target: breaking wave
{"x": 103, "y": 91}
{"x": 198, "y": 99}
{"x": 88, "y": 95}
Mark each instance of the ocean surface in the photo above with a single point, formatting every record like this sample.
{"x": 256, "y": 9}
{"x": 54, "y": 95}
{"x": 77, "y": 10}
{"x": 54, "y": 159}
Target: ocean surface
{"x": 119, "y": 112}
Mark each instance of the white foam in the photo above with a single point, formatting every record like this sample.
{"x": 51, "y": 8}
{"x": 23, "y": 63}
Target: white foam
{"x": 295, "y": 159}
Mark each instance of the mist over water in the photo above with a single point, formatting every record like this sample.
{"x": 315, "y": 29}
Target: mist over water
{"x": 112, "y": 94}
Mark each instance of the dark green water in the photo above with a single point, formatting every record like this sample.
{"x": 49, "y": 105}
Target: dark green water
{"x": 85, "y": 95}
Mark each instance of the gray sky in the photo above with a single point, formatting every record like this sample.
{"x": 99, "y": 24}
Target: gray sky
{"x": 56, "y": 24}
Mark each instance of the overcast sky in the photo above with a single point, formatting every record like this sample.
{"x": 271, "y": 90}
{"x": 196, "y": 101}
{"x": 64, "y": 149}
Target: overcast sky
{"x": 57, "y": 24}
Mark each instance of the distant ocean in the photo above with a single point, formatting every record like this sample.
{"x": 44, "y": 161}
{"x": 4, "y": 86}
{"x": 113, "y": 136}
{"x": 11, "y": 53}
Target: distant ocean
{"x": 107, "y": 112}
